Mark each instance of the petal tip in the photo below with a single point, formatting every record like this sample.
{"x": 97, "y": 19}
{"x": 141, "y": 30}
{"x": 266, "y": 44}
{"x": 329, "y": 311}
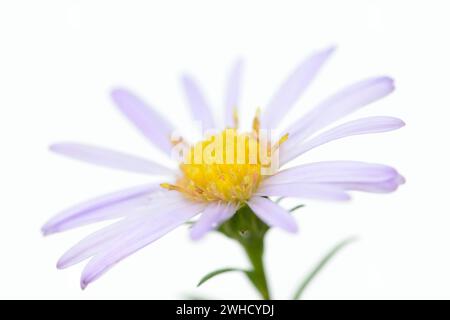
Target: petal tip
{"x": 46, "y": 230}
{"x": 186, "y": 80}
{"x": 85, "y": 281}
{"x": 60, "y": 264}
{"x": 83, "y": 284}
{"x": 330, "y": 49}
{"x": 389, "y": 81}
{"x": 117, "y": 94}
{"x": 194, "y": 236}
{"x": 292, "y": 228}
{"x": 57, "y": 147}
{"x": 117, "y": 91}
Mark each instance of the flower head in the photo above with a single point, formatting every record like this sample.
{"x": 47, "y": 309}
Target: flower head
{"x": 227, "y": 170}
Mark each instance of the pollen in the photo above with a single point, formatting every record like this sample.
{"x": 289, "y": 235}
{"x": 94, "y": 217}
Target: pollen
{"x": 227, "y": 166}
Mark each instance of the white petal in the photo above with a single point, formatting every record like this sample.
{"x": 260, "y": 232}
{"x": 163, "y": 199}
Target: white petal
{"x": 109, "y": 158}
{"x": 152, "y": 125}
{"x": 333, "y": 171}
{"x": 197, "y": 103}
{"x": 232, "y": 93}
{"x": 339, "y": 105}
{"x": 148, "y": 232}
{"x": 374, "y": 187}
{"x": 291, "y": 90}
{"x": 212, "y": 217}
{"x": 272, "y": 214}
{"x": 109, "y": 206}
{"x": 289, "y": 151}
{"x": 111, "y": 234}
{"x": 305, "y": 191}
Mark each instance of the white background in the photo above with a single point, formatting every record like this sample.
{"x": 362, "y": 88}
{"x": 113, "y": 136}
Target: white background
{"x": 59, "y": 59}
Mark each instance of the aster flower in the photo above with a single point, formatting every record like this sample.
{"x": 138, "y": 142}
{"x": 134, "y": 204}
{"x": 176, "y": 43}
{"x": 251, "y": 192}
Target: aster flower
{"x": 234, "y": 196}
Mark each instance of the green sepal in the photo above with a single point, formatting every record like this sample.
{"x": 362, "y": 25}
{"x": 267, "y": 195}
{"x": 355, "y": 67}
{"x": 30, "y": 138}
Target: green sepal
{"x": 296, "y": 207}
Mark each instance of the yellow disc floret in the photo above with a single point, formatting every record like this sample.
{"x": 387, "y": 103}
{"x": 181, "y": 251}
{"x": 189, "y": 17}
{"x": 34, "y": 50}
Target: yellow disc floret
{"x": 228, "y": 166}
{"x": 224, "y": 167}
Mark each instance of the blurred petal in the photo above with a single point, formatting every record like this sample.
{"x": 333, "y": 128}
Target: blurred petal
{"x": 291, "y": 90}
{"x": 339, "y": 105}
{"x": 153, "y": 126}
{"x": 98, "y": 241}
{"x": 106, "y": 207}
{"x": 212, "y": 217}
{"x": 147, "y": 232}
{"x": 232, "y": 93}
{"x": 107, "y": 236}
{"x": 304, "y": 190}
{"x": 333, "y": 171}
{"x": 289, "y": 151}
{"x": 197, "y": 102}
{"x": 110, "y": 158}
{"x": 272, "y": 214}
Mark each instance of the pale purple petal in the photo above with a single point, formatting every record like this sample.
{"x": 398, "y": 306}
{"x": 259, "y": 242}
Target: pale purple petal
{"x": 107, "y": 236}
{"x": 304, "y": 191}
{"x": 147, "y": 232}
{"x": 232, "y": 93}
{"x": 375, "y": 187}
{"x": 152, "y": 125}
{"x": 197, "y": 103}
{"x": 339, "y": 105}
{"x": 106, "y": 207}
{"x": 291, "y": 90}
{"x": 212, "y": 217}
{"x": 98, "y": 241}
{"x": 110, "y": 158}
{"x": 227, "y": 214}
{"x": 333, "y": 171}
{"x": 289, "y": 151}
{"x": 272, "y": 214}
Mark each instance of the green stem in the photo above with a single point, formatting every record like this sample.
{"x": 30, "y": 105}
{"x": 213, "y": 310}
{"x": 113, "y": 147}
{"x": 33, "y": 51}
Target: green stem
{"x": 255, "y": 252}
{"x": 249, "y": 231}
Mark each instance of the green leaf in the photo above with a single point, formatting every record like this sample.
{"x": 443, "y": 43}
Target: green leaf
{"x": 217, "y": 272}
{"x": 296, "y": 207}
{"x": 320, "y": 266}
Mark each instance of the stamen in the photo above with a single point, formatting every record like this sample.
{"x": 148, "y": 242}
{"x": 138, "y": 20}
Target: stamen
{"x": 235, "y": 118}
{"x": 178, "y": 140}
{"x": 256, "y": 121}
{"x": 170, "y": 187}
{"x": 229, "y": 167}
{"x": 280, "y": 141}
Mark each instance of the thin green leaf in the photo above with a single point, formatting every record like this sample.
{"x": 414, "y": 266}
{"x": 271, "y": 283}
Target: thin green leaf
{"x": 217, "y": 272}
{"x": 320, "y": 266}
{"x": 296, "y": 207}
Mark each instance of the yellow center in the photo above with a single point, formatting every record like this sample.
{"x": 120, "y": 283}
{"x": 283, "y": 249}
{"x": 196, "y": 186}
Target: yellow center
{"x": 227, "y": 166}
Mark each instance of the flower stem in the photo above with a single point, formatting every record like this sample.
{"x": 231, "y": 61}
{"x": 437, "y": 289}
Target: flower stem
{"x": 249, "y": 231}
{"x": 255, "y": 252}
